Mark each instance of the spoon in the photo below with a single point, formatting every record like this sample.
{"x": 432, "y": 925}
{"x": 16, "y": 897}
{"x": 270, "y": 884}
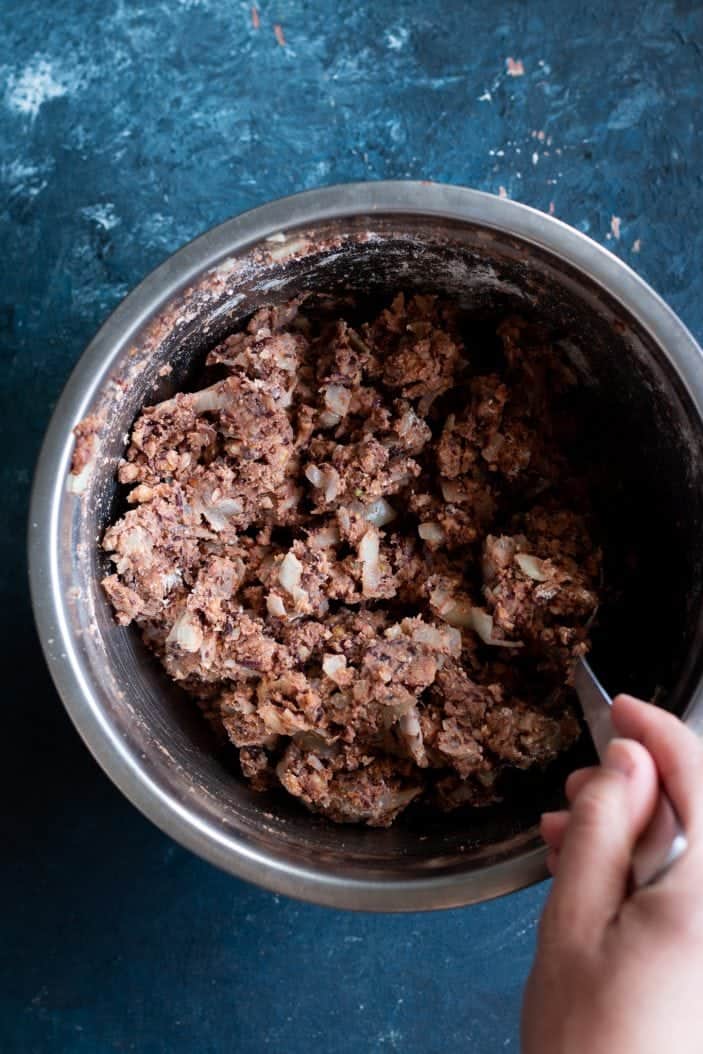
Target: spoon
{"x": 663, "y": 841}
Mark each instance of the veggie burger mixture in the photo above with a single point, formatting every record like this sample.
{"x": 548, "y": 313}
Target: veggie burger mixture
{"x": 364, "y": 553}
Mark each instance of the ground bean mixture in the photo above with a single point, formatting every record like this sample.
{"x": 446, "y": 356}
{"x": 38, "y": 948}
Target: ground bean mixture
{"x": 365, "y": 553}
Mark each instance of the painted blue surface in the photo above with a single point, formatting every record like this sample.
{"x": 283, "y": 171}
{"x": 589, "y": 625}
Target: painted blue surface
{"x": 126, "y": 129}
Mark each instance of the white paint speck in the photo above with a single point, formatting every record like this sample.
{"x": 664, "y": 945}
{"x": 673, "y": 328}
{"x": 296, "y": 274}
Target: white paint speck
{"x": 636, "y": 245}
{"x": 102, "y": 214}
{"x": 36, "y": 84}
{"x": 395, "y": 131}
{"x": 397, "y": 38}
{"x": 535, "y": 158}
{"x": 615, "y": 226}
{"x": 486, "y": 97}
{"x": 24, "y": 178}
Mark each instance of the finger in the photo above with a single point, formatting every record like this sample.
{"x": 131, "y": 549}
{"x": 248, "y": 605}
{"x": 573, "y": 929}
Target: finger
{"x": 676, "y": 750}
{"x": 577, "y": 779}
{"x": 553, "y": 861}
{"x": 553, "y": 826}
{"x": 606, "y": 818}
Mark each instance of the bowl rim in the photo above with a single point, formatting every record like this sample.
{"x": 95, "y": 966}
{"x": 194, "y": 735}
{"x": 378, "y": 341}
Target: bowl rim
{"x": 302, "y": 210}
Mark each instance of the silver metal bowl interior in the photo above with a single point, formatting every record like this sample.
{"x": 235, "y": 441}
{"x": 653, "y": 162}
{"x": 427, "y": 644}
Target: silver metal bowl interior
{"x": 642, "y": 375}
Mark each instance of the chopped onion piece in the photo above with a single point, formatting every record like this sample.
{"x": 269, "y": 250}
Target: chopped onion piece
{"x": 331, "y": 483}
{"x": 186, "y": 632}
{"x": 441, "y": 600}
{"x": 407, "y": 422}
{"x": 326, "y": 477}
{"x": 337, "y": 399}
{"x": 324, "y": 538}
{"x": 288, "y": 248}
{"x": 370, "y": 568}
{"x": 455, "y": 611}
{"x": 380, "y": 512}
{"x": 292, "y": 498}
{"x": 77, "y": 483}
{"x": 451, "y": 491}
{"x": 140, "y": 494}
{"x": 460, "y": 614}
{"x": 217, "y": 514}
{"x": 275, "y": 605}
{"x": 285, "y": 352}
{"x": 313, "y": 473}
{"x": 284, "y": 397}
{"x": 397, "y": 799}
{"x": 402, "y": 702}
{"x": 327, "y": 419}
{"x": 498, "y": 553}
{"x": 171, "y": 580}
{"x": 135, "y": 540}
{"x": 531, "y": 566}
{"x": 333, "y": 666}
{"x": 482, "y": 623}
{"x": 411, "y": 731}
{"x": 290, "y": 573}
{"x": 443, "y": 639}
{"x": 280, "y": 724}
{"x": 431, "y": 533}
{"x": 213, "y": 398}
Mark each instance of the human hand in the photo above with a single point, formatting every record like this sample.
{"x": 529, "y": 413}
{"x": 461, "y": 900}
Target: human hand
{"x": 617, "y": 971}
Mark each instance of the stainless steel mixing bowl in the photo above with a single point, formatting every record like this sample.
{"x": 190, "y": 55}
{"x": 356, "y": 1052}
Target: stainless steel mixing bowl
{"x": 643, "y": 374}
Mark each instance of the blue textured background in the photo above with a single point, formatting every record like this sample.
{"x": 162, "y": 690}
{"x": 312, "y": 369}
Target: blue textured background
{"x": 126, "y": 129}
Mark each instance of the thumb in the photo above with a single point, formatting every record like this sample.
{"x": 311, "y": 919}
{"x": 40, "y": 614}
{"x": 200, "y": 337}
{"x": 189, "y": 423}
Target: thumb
{"x": 607, "y": 816}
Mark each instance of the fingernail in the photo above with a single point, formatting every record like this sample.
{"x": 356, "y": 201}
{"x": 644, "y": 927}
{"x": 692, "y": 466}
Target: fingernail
{"x": 618, "y": 758}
